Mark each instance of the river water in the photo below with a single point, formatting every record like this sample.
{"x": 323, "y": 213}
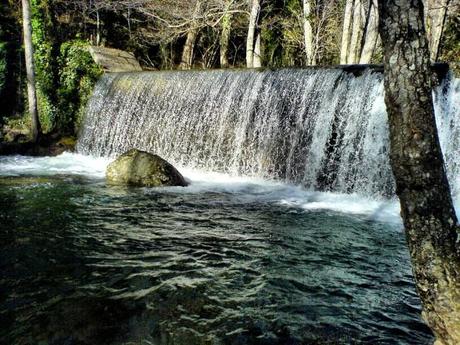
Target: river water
{"x": 227, "y": 260}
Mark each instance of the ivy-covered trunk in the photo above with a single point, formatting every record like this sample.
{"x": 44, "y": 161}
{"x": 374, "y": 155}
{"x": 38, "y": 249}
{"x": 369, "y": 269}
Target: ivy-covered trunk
{"x": 30, "y": 67}
{"x": 45, "y": 56}
{"x": 418, "y": 166}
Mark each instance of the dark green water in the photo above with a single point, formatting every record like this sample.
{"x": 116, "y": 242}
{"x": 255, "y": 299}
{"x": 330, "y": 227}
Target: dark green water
{"x": 83, "y": 263}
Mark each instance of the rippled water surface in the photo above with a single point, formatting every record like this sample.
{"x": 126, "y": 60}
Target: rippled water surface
{"x": 223, "y": 261}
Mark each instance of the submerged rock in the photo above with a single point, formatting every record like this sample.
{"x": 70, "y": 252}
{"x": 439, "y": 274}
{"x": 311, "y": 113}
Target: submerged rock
{"x": 139, "y": 168}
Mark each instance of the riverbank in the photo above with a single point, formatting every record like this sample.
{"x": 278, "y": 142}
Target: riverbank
{"x": 52, "y": 144}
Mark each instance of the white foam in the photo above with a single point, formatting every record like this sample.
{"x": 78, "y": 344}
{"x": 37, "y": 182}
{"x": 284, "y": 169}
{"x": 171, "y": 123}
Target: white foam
{"x": 66, "y": 163}
{"x": 291, "y": 196}
{"x": 245, "y": 189}
{"x": 373, "y": 209}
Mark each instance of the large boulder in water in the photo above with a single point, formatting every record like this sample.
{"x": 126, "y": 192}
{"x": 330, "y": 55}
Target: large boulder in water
{"x": 139, "y": 168}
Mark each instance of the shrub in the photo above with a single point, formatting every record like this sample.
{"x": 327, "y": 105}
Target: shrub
{"x": 78, "y": 75}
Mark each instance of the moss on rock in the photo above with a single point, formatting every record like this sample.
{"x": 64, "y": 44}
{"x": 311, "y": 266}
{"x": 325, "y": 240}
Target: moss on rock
{"x": 139, "y": 168}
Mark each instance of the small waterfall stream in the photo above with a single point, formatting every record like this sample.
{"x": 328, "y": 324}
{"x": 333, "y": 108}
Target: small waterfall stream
{"x": 324, "y": 129}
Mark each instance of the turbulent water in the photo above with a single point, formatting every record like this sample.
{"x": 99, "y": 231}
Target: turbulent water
{"x": 227, "y": 260}
{"x": 324, "y": 129}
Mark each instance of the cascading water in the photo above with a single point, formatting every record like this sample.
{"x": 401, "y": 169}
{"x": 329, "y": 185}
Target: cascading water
{"x": 325, "y": 129}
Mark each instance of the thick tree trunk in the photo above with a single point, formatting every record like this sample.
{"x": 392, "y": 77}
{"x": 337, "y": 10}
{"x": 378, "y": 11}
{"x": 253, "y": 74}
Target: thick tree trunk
{"x": 30, "y": 69}
{"x": 189, "y": 46}
{"x": 308, "y": 33}
{"x": 372, "y": 34}
{"x": 357, "y": 33}
{"x": 225, "y": 39}
{"x": 346, "y": 32}
{"x": 418, "y": 167}
{"x": 250, "y": 40}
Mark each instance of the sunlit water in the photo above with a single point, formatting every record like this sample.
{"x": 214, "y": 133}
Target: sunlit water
{"x": 322, "y": 128}
{"x": 226, "y": 260}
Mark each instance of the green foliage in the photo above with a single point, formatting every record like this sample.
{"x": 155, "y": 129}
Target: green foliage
{"x": 18, "y": 123}
{"x": 3, "y": 66}
{"x": 292, "y": 38}
{"x": 44, "y": 58}
{"x": 47, "y": 111}
{"x": 272, "y": 48}
{"x": 78, "y": 74}
{"x": 65, "y": 76}
{"x": 11, "y": 63}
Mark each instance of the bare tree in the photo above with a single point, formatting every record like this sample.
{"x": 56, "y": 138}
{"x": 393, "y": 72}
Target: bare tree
{"x": 225, "y": 39}
{"x": 30, "y": 68}
{"x": 328, "y": 16}
{"x": 436, "y": 14}
{"x": 250, "y": 40}
{"x": 372, "y": 33}
{"x": 257, "y": 62}
{"x": 427, "y": 210}
{"x": 187, "y": 53}
{"x": 308, "y": 32}
{"x": 357, "y": 32}
{"x": 360, "y": 32}
{"x": 346, "y": 32}
{"x": 169, "y": 20}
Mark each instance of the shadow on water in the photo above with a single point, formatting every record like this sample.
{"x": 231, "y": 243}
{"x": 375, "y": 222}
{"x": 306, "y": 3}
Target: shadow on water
{"x": 85, "y": 264}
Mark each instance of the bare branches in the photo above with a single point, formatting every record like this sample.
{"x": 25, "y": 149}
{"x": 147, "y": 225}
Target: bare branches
{"x": 294, "y": 32}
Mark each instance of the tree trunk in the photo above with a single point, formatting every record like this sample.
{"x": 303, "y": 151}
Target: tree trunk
{"x": 425, "y": 14}
{"x": 357, "y": 33}
{"x": 250, "y": 42}
{"x": 189, "y": 46}
{"x": 30, "y": 69}
{"x": 308, "y": 33}
{"x": 346, "y": 32}
{"x": 436, "y": 18}
{"x": 372, "y": 34}
{"x": 257, "y": 53}
{"x": 98, "y": 29}
{"x": 225, "y": 39}
{"x": 187, "y": 53}
{"x": 418, "y": 166}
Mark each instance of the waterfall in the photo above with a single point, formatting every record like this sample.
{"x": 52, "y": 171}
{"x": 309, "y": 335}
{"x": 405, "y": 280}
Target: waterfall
{"x": 325, "y": 129}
